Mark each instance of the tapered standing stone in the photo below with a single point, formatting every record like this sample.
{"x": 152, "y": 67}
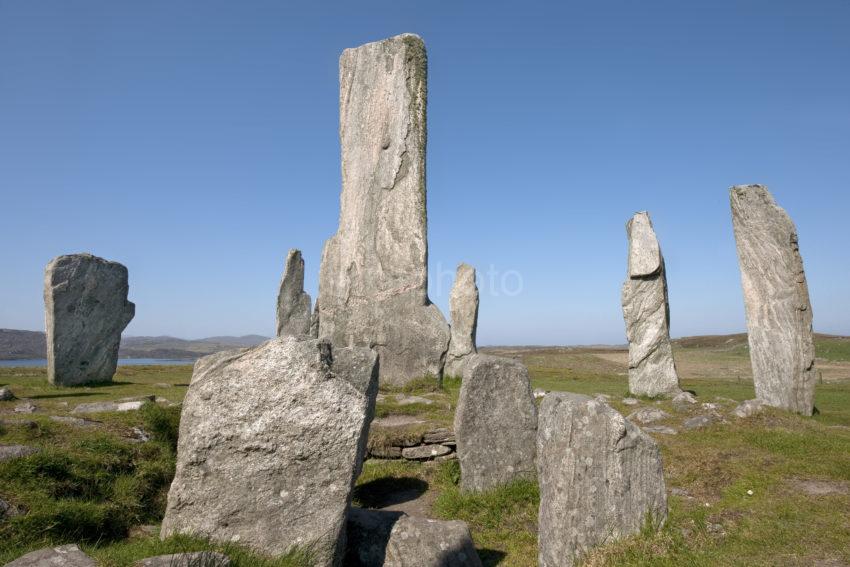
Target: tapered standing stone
{"x": 600, "y": 478}
{"x": 271, "y": 442}
{"x": 374, "y": 277}
{"x": 463, "y": 304}
{"x": 495, "y": 423}
{"x": 86, "y": 309}
{"x": 293, "y": 304}
{"x": 652, "y": 371}
{"x": 779, "y": 313}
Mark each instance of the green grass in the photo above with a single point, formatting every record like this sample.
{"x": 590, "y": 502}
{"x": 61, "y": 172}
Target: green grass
{"x": 92, "y": 485}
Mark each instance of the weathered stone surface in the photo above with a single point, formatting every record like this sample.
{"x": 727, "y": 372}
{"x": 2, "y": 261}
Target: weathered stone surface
{"x": 699, "y": 421}
{"x": 6, "y": 395}
{"x": 86, "y": 309}
{"x": 196, "y": 559}
{"x": 440, "y": 435}
{"x": 779, "y": 313}
{"x": 425, "y": 452}
{"x": 270, "y": 444}
{"x": 600, "y": 478}
{"x": 652, "y": 371}
{"x": 8, "y": 452}
{"x": 749, "y": 408}
{"x": 294, "y": 313}
{"x": 495, "y": 423}
{"x": 663, "y": 429}
{"x": 124, "y": 404}
{"x": 684, "y": 400}
{"x": 648, "y": 415}
{"x": 631, "y": 401}
{"x": 373, "y": 279}
{"x": 393, "y": 539}
{"x": 26, "y": 407}
{"x": 463, "y": 305}
{"x": 60, "y": 556}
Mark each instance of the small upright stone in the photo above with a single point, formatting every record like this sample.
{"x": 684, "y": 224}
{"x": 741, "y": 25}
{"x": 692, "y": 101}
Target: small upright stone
{"x": 373, "y": 282}
{"x": 463, "y": 304}
{"x": 652, "y": 371}
{"x": 271, "y": 442}
{"x": 600, "y": 478}
{"x": 293, "y": 303}
{"x": 495, "y": 423}
{"x": 779, "y": 313}
{"x": 86, "y": 309}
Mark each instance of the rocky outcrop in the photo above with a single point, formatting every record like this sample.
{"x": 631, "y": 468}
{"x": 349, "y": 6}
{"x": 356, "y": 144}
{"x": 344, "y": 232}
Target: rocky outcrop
{"x": 293, "y": 303}
{"x": 374, "y": 276}
{"x": 394, "y": 539}
{"x": 86, "y": 309}
{"x": 59, "y": 556}
{"x": 652, "y": 371}
{"x": 463, "y": 304}
{"x": 271, "y": 441}
{"x": 495, "y": 423}
{"x": 779, "y": 313}
{"x": 600, "y": 478}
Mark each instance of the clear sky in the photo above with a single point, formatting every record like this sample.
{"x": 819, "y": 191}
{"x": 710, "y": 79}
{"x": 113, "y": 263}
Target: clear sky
{"x": 196, "y": 142}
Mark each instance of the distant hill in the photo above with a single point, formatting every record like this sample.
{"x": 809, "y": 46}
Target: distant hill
{"x": 16, "y": 345}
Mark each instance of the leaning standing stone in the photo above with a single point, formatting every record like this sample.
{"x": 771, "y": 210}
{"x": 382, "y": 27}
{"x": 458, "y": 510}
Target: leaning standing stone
{"x": 293, "y": 303}
{"x": 495, "y": 423}
{"x": 271, "y": 441}
{"x": 463, "y": 305}
{"x": 779, "y": 313}
{"x": 652, "y": 371}
{"x": 600, "y": 478}
{"x": 373, "y": 282}
{"x": 86, "y": 309}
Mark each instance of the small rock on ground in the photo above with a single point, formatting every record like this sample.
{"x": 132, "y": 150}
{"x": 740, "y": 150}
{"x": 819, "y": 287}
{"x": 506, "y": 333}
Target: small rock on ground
{"x": 8, "y": 452}
{"x": 6, "y": 395}
{"x": 26, "y": 407}
{"x": 196, "y": 559}
{"x": 424, "y": 452}
{"x": 663, "y": 429}
{"x": 61, "y": 556}
{"x": 631, "y": 401}
{"x": 749, "y": 408}
{"x": 78, "y": 421}
{"x": 648, "y": 415}
{"x": 396, "y": 421}
{"x": 699, "y": 421}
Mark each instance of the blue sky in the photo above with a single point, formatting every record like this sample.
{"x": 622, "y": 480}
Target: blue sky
{"x": 196, "y": 142}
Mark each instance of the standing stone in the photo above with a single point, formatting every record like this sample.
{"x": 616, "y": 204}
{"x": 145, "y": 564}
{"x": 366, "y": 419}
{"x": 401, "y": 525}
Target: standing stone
{"x": 779, "y": 313}
{"x": 495, "y": 423}
{"x": 652, "y": 371}
{"x": 373, "y": 282}
{"x": 600, "y": 478}
{"x": 271, "y": 442}
{"x": 293, "y": 304}
{"x": 86, "y": 309}
{"x": 463, "y": 305}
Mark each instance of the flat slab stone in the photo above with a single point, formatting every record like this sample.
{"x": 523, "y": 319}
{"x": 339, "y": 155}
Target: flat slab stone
{"x": 495, "y": 423}
{"x": 196, "y": 559}
{"x": 271, "y": 441}
{"x": 374, "y": 275}
{"x": 86, "y": 309}
{"x": 60, "y": 556}
{"x": 424, "y": 452}
{"x": 776, "y": 296}
{"x": 600, "y": 478}
{"x": 394, "y": 539}
{"x": 648, "y": 415}
{"x": 699, "y": 421}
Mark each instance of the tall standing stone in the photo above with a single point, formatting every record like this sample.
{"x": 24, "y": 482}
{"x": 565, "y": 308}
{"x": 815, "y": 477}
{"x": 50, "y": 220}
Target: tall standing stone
{"x": 374, "y": 276}
{"x": 652, "y": 371}
{"x": 271, "y": 442}
{"x": 86, "y": 309}
{"x": 495, "y": 423}
{"x": 293, "y": 303}
{"x": 463, "y": 304}
{"x": 600, "y": 478}
{"x": 779, "y": 313}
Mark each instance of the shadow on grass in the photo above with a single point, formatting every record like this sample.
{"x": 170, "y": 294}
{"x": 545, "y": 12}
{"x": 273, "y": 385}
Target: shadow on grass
{"x": 490, "y": 556}
{"x": 66, "y": 395}
{"x": 383, "y": 492}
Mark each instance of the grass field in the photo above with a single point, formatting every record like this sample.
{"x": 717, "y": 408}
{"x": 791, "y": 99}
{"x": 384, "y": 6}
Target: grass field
{"x": 98, "y": 486}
